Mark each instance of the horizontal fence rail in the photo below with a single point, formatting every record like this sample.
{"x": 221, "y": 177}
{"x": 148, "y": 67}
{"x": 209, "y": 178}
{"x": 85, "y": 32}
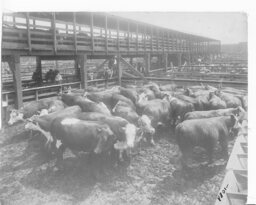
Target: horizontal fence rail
{"x": 187, "y": 82}
{"x": 37, "y": 93}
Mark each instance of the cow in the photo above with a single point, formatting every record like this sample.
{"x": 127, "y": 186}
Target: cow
{"x": 212, "y": 113}
{"x": 94, "y": 137}
{"x": 231, "y": 100}
{"x": 124, "y": 131}
{"x": 157, "y": 110}
{"x": 204, "y": 133}
{"x": 28, "y": 110}
{"x": 124, "y": 110}
{"x": 85, "y": 104}
{"x": 90, "y": 106}
{"x": 198, "y": 105}
{"x": 215, "y": 102}
{"x": 179, "y": 108}
{"x": 146, "y": 92}
{"x": 117, "y": 97}
{"x": 45, "y": 121}
{"x": 129, "y": 93}
{"x": 35, "y": 127}
{"x": 98, "y": 97}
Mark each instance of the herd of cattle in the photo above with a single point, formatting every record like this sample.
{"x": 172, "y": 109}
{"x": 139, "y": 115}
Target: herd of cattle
{"x": 113, "y": 122}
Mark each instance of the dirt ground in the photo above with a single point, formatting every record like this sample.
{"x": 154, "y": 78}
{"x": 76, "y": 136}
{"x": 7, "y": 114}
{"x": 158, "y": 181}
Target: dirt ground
{"x": 27, "y": 176}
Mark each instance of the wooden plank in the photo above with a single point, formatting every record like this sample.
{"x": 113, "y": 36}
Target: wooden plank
{"x": 132, "y": 68}
{"x": 106, "y": 34}
{"x": 74, "y": 30}
{"x": 119, "y": 70}
{"x": 118, "y": 46}
{"x": 137, "y": 38}
{"x": 91, "y": 27}
{"x": 83, "y": 70}
{"x": 126, "y": 74}
{"x": 28, "y": 31}
{"x": 128, "y": 24}
{"x": 148, "y": 63}
{"x": 54, "y": 33}
{"x": 14, "y": 64}
{"x": 151, "y": 39}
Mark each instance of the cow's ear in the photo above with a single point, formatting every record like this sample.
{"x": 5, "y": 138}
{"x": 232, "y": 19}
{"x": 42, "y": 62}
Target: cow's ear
{"x": 233, "y": 118}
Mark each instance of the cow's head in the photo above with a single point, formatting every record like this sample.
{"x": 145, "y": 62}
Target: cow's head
{"x": 15, "y": 116}
{"x": 43, "y": 112}
{"x": 235, "y": 126}
{"x": 106, "y": 139}
{"x": 144, "y": 123}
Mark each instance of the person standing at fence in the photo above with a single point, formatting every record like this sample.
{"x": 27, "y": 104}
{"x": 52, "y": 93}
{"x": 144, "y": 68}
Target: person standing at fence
{"x": 58, "y": 77}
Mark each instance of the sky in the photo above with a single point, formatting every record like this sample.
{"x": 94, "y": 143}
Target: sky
{"x": 228, "y": 27}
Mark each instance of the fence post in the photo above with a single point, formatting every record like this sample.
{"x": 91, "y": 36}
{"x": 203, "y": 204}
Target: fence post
{"x": 119, "y": 70}
{"x": 36, "y": 95}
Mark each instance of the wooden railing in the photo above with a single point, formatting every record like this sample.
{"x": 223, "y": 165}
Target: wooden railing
{"x": 31, "y": 34}
{"x": 37, "y": 93}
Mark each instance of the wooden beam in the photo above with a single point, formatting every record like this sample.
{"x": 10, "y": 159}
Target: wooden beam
{"x": 145, "y": 30}
{"x": 179, "y": 59}
{"x": 128, "y": 36}
{"x": 74, "y": 31}
{"x": 100, "y": 67}
{"x": 117, "y": 30}
{"x": 137, "y": 38}
{"x": 83, "y": 70}
{"x": 151, "y": 38}
{"x": 54, "y": 33}
{"x": 14, "y": 64}
{"x": 39, "y": 67}
{"x": 163, "y": 40}
{"x": 147, "y": 62}
{"x": 28, "y": 31}
{"x": 106, "y": 34}
{"x": 125, "y": 74}
{"x": 168, "y": 41}
{"x": 132, "y": 68}
{"x": 157, "y": 38}
{"x": 92, "y": 36}
{"x": 119, "y": 69}
{"x": 165, "y": 62}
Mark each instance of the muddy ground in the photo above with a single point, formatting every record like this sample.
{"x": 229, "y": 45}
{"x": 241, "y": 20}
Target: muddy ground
{"x": 27, "y": 176}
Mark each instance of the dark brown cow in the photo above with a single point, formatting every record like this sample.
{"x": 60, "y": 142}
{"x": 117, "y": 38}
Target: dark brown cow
{"x": 231, "y": 100}
{"x": 204, "y": 133}
{"x": 129, "y": 93}
{"x": 216, "y": 103}
{"x": 78, "y": 135}
{"x": 211, "y": 113}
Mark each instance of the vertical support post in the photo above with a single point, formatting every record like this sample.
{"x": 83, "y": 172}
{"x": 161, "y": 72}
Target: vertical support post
{"x": 151, "y": 39}
{"x": 157, "y": 38}
{"x": 54, "y": 33}
{"x": 83, "y": 70}
{"x": 106, "y": 34}
{"x": 168, "y": 41}
{"x": 147, "y": 62}
{"x": 92, "y": 36}
{"x": 117, "y": 30}
{"x": 39, "y": 67}
{"x": 179, "y": 59}
{"x": 34, "y": 24}
{"x": 145, "y": 38}
{"x": 137, "y": 38}
{"x": 14, "y": 64}
{"x": 74, "y": 31}
{"x": 128, "y": 36}
{"x": 163, "y": 40}
{"x": 165, "y": 62}
{"x": 119, "y": 69}
{"x": 28, "y": 31}
{"x": 36, "y": 95}
{"x": 189, "y": 59}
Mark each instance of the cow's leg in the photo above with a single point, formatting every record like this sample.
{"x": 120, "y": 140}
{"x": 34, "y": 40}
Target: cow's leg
{"x": 224, "y": 146}
{"x": 60, "y": 153}
{"x": 95, "y": 165}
